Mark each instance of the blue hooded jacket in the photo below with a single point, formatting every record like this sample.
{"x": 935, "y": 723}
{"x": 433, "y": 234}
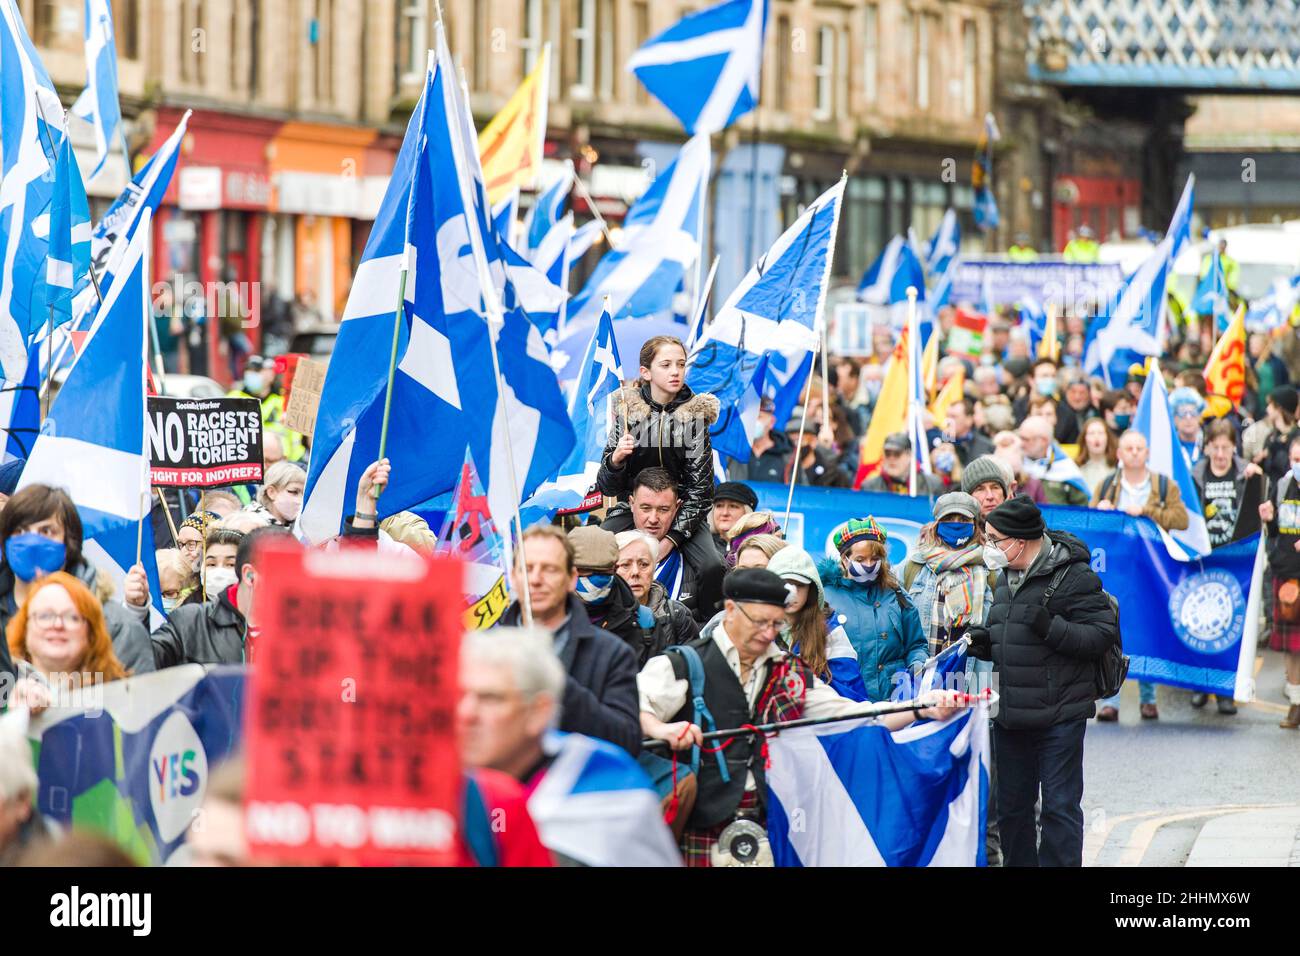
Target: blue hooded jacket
{"x": 883, "y": 627}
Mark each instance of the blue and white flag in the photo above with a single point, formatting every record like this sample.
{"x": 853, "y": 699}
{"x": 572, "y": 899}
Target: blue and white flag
{"x": 546, "y": 237}
{"x": 504, "y": 215}
{"x": 583, "y": 238}
{"x": 1211, "y": 297}
{"x": 985, "y": 209}
{"x": 944, "y": 244}
{"x": 1180, "y": 226}
{"x": 733, "y": 434}
{"x": 98, "y": 103}
{"x": 661, "y": 240}
{"x": 1033, "y": 322}
{"x": 92, "y": 443}
{"x": 1167, "y": 457}
{"x": 25, "y": 420}
{"x": 596, "y": 806}
{"x": 776, "y": 309}
{"x": 1057, "y": 467}
{"x": 887, "y": 279}
{"x": 68, "y": 265}
{"x": 1273, "y": 310}
{"x": 853, "y": 794}
{"x": 589, "y": 412}
{"x": 1133, "y": 325}
{"x": 706, "y": 68}
{"x": 30, "y": 129}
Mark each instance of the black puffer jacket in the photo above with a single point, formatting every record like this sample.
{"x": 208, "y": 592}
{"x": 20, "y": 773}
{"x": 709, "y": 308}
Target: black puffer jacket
{"x": 621, "y": 616}
{"x": 208, "y": 633}
{"x": 673, "y": 621}
{"x": 1045, "y": 656}
{"x": 674, "y": 437}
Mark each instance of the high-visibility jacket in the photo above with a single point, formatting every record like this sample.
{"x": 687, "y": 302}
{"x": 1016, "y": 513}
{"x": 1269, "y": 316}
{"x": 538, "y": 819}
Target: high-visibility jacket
{"x": 272, "y": 411}
{"x": 1022, "y": 254}
{"x": 1081, "y": 250}
{"x": 1231, "y": 269}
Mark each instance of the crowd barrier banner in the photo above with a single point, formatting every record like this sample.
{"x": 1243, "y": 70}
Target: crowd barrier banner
{"x": 1182, "y": 622}
{"x": 1073, "y": 286}
{"x": 135, "y": 766}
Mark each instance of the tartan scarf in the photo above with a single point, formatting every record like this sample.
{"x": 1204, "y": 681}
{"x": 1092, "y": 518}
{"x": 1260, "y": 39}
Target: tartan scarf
{"x": 959, "y": 594}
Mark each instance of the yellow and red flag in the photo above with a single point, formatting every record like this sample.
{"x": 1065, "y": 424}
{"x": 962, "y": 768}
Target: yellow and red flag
{"x": 889, "y": 414}
{"x": 1050, "y": 346}
{"x": 951, "y": 391}
{"x": 1225, "y": 372}
{"x": 510, "y": 146}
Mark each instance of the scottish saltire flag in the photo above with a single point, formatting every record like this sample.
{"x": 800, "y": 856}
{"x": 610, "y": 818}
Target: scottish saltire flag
{"x": 98, "y": 103}
{"x": 981, "y": 177}
{"x": 597, "y": 807}
{"x": 1058, "y": 467}
{"x": 661, "y": 240}
{"x": 1133, "y": 324}
{"x": 730, "y": 435}
{"x": 427, "y": 433}
{"x": 1180, "y": 226}
{"x": 853, "y": 794}
{"x": 521, "y": 285}
{"x": 583, "y": 238}
{"x": 1212, "y": 294}
{"x": 25, "y": 420}
{"x": 940, "y": 671}
{"x": 887, "y": 279}
{"x": 777, "y": 308}
{"x": 1273, "y": 310}
{"x": 944, "y": 244}
{"x": 706, "y": 67}
{"x": 1033, "y": 322}
{"x": 504, "y": 214}
{"x": 589, "y": 412}
{"x": 1167, "y": 457}
{"x": 545, "y": 238}
{"x": 30, "y": 126}
{"x": 68, "y": 265}
{"x": 93, "y": 441}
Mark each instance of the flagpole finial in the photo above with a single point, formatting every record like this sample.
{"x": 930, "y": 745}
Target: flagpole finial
{"x": 911, "y": 294}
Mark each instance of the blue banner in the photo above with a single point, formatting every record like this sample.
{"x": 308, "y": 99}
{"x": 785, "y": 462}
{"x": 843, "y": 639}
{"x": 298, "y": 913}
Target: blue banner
{"x": 1073, "y": 286}
{"x": 1182, "y": 622}
{"x": 135, "y": 766}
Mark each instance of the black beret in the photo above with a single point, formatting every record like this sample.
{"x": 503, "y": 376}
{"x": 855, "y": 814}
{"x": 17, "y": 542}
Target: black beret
{"x": 736, "y": 491}
{"x": 755, "y": 586}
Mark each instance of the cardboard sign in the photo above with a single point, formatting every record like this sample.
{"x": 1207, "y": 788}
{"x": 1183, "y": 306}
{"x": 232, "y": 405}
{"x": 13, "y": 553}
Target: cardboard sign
{"x": 350, "y": 730}
{"x": 202, "y": 443}
{"x": 304, "y": 396}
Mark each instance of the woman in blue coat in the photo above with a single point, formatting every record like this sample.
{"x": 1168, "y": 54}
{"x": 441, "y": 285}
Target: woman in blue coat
{"x": 880, "y": 620}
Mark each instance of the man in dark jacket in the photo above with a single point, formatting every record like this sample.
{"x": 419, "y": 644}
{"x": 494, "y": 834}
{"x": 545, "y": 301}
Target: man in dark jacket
{"x": 817, "y": 465}
{"x": 222, "y": 630}
{"x": 688, "y": 578}
{"x": 600, "y": 692}
{"x": 966, "y": 440}
{"x": 1045, "y": 652}
{"x": 606, "y": 597}
{"x": 895, "y": 471}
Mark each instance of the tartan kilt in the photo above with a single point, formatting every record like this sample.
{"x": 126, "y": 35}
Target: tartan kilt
{"x": 697, "y": 845}
{"x": 1284, "y": 635}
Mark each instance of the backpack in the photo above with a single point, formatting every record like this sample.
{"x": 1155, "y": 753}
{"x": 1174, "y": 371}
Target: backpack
{"x": 1111, "y": 669}
{"x": 1109, "y": 482}
{"x": 685, "y": 654}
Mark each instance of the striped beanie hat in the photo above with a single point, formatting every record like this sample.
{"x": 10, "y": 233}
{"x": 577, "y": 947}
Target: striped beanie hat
{"x": 857, "y": 529}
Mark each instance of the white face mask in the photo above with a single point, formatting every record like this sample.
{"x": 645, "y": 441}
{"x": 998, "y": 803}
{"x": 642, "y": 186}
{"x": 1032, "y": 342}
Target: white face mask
{"x": 995, "y": 559}
{"x": 862, "y": 572}
{"x": 217, "y": 581}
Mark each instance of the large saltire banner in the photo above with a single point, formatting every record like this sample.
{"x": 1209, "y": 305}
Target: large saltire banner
{"x": 1182, "y": 622}
{"x": 135, "y": 764}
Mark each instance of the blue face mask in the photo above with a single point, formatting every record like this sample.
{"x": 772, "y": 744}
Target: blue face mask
{"x": 1046, "y": 386}
{"x": 252, "y": 382}
{"x": 31, "y": 556}
{"x": 1123, "y": 421}
{"x": 954, "y": 533}
{"x": 862, "y": 572}
{"x": 594, "y": 588}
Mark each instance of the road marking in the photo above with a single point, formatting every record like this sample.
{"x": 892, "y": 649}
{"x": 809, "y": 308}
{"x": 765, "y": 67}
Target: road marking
{"x": 1139, "y": 840}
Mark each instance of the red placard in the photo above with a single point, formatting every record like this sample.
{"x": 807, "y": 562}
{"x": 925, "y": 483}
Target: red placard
{"x": 350, "y": 730}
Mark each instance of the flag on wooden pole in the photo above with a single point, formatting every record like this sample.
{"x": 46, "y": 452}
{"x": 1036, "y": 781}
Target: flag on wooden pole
{"x": 510, "y": 146}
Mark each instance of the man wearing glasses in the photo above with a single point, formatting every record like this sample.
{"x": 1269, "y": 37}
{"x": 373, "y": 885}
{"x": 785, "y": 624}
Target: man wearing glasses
{"x": 748, "y": 679}
{"x": 1044, "y": 649}
{"x": 895, "y": 471}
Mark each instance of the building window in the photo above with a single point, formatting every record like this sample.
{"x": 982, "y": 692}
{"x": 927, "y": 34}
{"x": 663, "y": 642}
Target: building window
{"x": 482, "y": 39}
{"x": 906, "y": 46}
{"x": 412, "y": 39}
{"x": 532, "y": 41}
{"x": 870, "y": 52}
{"x": 824, "y": 74}
{"x": 126, "y": 28}
{"x": 970, "y": 71}
{"x": 584, "y": 36}
{"x": 783, "y": 41}
{"x": 193, "y": 45}
{"x": 606, "y": 48}
{"x": 923, "y": 61}
{"x": 320, "y": 36}
{"x": 641, "y": 23}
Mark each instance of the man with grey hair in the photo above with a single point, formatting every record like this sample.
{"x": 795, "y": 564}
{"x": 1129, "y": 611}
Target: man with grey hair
{"x": 512, "y": 687}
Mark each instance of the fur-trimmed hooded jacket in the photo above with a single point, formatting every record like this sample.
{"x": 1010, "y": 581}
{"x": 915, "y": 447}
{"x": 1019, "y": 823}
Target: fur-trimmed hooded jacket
{"x": 674, "y": 437}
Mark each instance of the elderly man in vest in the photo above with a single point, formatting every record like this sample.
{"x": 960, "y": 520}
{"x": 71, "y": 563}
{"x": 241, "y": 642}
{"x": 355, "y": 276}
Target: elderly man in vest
{"x": 747, "y": 679}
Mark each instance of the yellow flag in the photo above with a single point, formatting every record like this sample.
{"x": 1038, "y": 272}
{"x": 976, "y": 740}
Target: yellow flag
{"x": 889, "y": 414}
{"x": 951, "y": 391}
{"x": 510, "y": 146}
{"x": 1225, "y": 372}
{"x": 1050, "y": 346}
{"x": 930, "y": 363}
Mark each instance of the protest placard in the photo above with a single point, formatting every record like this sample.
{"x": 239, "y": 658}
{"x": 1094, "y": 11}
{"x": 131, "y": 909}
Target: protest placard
{"x": 304, "y": 396}
{"x": 201, "y": 443}
{"x": 350, "y": 731}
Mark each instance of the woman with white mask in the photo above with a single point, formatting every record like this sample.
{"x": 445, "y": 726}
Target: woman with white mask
{"x": 280, "y": 499}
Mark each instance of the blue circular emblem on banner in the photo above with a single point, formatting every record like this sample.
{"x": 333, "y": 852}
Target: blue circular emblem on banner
{"x": 1208, "y": 611}
{"x": 901, "y": 532}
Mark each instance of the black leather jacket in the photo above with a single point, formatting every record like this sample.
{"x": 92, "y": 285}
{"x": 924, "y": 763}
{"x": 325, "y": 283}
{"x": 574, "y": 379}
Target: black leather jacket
{"x": 674, "y": 437}
{"x": 208, "y": 633}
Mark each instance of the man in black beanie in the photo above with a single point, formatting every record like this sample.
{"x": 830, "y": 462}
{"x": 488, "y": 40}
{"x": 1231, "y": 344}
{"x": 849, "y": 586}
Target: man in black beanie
{"x": 1044, "y": 650}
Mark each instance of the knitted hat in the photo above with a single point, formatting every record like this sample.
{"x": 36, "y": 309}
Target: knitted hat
{"x": 1182, "y": 397}
{"x": 982, "y": 469}
{"x": 956, "y": 503}
{"x": 594, "y": 549}
{"x": 10, "y": 472}
{"x": 201, "y": 521}
{"x": 857, "y": 529}
{"x": 736, "y": 491}
{"x": 1285, "y": 398}
{"x": 755, "y": 586}
{"x": 1018, "y": 517}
